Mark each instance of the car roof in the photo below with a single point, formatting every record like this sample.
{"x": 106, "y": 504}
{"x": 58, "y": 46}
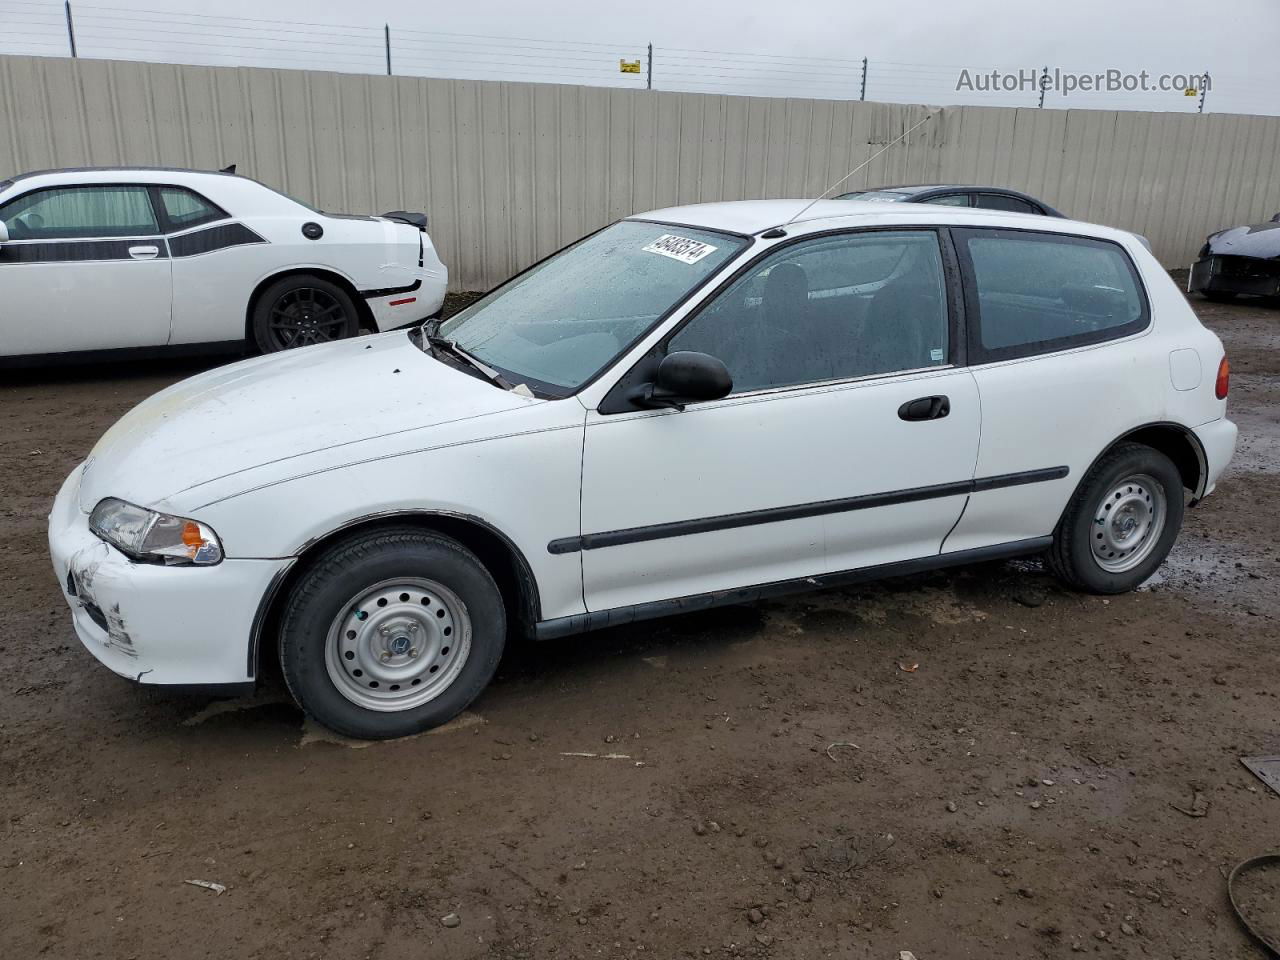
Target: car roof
{"x": 96, "y": 173}
{"x": 914, "y": 188}
{"x": 751, "y": 217}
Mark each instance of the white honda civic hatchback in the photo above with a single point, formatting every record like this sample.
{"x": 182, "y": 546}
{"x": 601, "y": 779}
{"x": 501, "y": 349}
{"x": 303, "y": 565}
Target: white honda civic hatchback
{"x": 697, "y": 406}
{"x": 97, "y": 262}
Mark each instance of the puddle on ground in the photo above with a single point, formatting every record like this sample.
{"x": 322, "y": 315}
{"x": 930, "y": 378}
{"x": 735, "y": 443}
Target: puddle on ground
{"x": 313, "y": 732}
{"x": 219, "y": 707}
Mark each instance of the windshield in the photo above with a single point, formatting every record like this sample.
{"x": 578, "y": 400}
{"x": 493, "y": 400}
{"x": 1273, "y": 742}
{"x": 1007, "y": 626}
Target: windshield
{"x": 560, "y": 323}
{"x": 873, "y": 195}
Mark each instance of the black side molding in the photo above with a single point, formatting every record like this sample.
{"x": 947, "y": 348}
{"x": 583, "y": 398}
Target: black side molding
{"x": 731, "y": 521}
{"x": 390, "y": 291}
{"x": 595, "y": 620}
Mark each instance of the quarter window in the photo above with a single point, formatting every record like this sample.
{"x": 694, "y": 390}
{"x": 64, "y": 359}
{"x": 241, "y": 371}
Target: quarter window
{"x": 63, "y": 213}
{"x": 184, "y": 208}
{"x": 1039, "y": 292}
{"x": 834, "y": 308}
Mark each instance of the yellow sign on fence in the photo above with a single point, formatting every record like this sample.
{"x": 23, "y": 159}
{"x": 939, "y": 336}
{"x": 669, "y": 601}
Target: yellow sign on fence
{"x": 1190, "y": 92}
{"x": 628, "y": 66}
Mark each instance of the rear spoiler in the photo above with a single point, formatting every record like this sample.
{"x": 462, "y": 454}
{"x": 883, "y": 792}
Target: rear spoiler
{"x": 418, "y": 220}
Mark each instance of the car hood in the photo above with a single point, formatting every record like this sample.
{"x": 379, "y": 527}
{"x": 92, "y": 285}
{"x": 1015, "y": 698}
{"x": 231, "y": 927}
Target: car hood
{"x": 1255, "y": 240}
{"x": 281, "y": 407}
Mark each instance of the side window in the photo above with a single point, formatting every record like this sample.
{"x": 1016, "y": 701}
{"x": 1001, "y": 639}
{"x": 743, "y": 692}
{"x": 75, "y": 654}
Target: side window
{"x": 185, "y": 208}
{"x": 69, "y": 213}
{"x": 832, "y": 308}
{"x": 950, "y": 200}
{"x": 1039, "y": 292}
{"x": 996, "y": 201}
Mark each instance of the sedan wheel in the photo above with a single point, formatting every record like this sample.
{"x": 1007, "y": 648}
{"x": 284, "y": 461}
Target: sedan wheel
{"x": 1128, "y": 522}
{"x": 390, "y": 632}
{"x": 300, "y": 311}
{"x": 398, "y": 644}
{"x": 1121, "y": 523}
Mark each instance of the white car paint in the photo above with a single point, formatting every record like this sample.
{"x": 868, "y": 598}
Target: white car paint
{"x": 86, "y": 293}
{"x": 373, "y": 428}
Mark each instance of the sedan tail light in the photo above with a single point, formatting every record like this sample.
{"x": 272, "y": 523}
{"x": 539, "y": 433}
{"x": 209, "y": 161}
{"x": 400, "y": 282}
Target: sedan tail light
{"x": 1223, "y": 383}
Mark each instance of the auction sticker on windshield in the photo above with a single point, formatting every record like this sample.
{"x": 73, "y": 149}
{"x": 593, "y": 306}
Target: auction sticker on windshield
{"x": 680, "y": 248}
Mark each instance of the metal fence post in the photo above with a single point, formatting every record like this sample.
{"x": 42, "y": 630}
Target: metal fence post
{"x": 1044, "y": 82}
{"x": 1204, "y": 89}
{"x": 71, "y": 29}
{"x": 863, "y": 94}
{"x": 386, "y": 32}
{"x": 648, "y": 77}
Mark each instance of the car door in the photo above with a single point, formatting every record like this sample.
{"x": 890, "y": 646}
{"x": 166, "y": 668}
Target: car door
{"x": 217, "y": 260}
{"x": 84, "y": 268}
{"x": 848, "y": 439}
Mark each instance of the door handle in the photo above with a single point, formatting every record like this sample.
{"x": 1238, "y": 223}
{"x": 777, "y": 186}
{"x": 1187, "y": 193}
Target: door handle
{"x": 925, "y": 408}
{"x": 144, "y": 252}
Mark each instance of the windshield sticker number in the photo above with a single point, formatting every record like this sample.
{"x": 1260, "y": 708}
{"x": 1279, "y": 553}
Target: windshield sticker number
{"x": 680, "y": 248}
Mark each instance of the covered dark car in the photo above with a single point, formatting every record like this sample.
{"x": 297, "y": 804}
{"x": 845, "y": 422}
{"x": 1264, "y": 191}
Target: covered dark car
{"x": 958, "y": 195}
{"x": 1239, "y": 260}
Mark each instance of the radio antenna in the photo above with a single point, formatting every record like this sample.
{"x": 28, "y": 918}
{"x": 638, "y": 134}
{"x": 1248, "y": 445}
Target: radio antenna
{"x": 927, "y": 117}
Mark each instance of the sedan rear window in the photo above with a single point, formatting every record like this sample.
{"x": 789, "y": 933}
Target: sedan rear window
{"x": 890, "y": 195}
{"x": 1040, "y": 292}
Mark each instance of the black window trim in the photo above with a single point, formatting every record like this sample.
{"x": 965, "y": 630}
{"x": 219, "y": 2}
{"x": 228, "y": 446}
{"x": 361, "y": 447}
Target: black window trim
{"x": 168, "y": 226}
{"x": 979, "y": 354}
{"x": 158, "y": 234}
{"x": 616, "y": 400}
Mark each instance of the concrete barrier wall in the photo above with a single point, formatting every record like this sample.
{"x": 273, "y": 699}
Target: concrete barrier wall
{"x": 508, "y": 172}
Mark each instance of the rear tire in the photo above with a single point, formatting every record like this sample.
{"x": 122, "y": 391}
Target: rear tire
{"x": 302, "y": 310}
{"x": 390, "y": 633}
{"x": 1121, "y": 522}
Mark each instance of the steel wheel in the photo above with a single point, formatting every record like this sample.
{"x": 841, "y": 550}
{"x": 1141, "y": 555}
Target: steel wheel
{"x": 306, "y": 315}
{"x": 1128, "y": 522}
{"x": 399, "y": 644}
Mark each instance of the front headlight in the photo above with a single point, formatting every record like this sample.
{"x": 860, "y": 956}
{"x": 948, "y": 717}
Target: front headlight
{"x": 152, "y": 537}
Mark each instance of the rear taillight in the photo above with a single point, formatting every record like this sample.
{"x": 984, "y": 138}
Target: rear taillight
{"x": 1223, "y": 383}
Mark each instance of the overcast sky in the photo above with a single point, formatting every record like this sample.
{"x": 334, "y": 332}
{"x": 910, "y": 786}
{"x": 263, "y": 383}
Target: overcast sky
{"x": 915, "y": 47}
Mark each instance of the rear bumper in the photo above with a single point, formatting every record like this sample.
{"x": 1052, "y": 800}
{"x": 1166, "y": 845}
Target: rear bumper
{"x": 189, "y": 627}
{"x": 1218, "y": 440}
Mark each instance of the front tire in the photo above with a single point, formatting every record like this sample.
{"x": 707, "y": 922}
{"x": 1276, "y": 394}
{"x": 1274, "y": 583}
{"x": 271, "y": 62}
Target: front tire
{"x": 1121, "y": 523}
{"x": 301, "y": 310}
{"x": 390, "y": 633}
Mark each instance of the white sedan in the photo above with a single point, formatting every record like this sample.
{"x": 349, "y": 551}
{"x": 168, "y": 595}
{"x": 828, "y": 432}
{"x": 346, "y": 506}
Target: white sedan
{"x": 96, "y": 261}
{"x": 697, "y": 406}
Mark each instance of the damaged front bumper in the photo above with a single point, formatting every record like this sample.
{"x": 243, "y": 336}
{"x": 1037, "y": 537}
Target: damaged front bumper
{"x": 1225, "y": 273}
{"x": 170, "y": 625}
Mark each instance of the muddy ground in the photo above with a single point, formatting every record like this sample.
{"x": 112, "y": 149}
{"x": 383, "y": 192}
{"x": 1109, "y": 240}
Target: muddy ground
{"x": 787, "y": 789}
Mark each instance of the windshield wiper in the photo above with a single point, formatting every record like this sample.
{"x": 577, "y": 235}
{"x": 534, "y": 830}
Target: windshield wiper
{"x": 440, "y": 344}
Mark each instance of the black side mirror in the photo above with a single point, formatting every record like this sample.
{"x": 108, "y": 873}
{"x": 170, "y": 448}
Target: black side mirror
{"x": 1276, "y": 218}
{"x": 686, "y": 377}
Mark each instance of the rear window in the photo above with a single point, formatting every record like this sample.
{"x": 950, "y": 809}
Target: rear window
{"x": 1038, "y": 292}
{"x": 890, "y": 195}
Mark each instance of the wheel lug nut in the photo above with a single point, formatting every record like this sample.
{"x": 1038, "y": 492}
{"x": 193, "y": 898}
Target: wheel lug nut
{"x": 413, "y": 651}
{"x": 385, "y": 656}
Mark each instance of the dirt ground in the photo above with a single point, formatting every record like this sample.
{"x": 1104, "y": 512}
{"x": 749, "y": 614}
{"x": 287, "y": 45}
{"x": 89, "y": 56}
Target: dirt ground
{"x": 1060, "y": 773}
